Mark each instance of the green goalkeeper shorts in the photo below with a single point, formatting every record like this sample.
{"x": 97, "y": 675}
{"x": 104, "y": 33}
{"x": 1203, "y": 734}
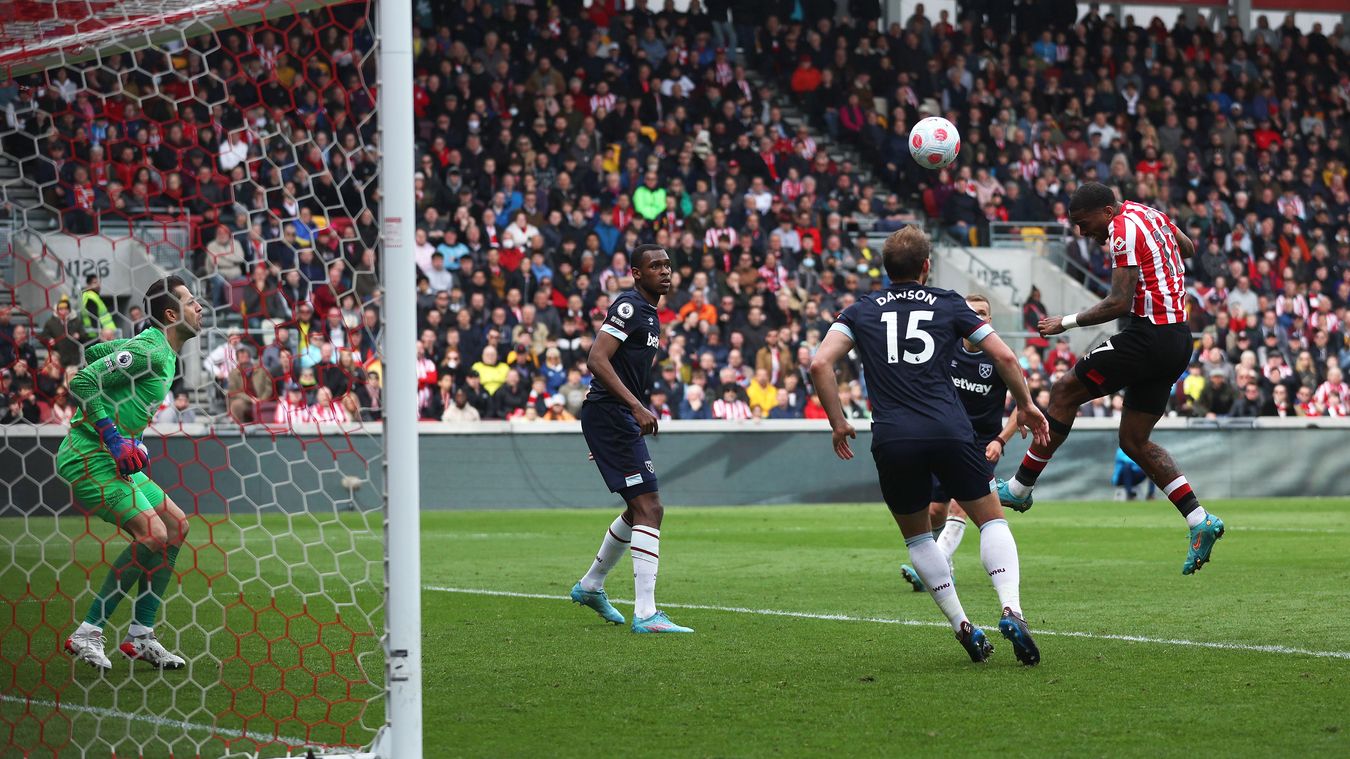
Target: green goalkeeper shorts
{"x": 100, "y": 488}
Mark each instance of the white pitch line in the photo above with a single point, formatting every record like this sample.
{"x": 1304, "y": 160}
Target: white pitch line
{"x": 1268, "y": 649}
{"x": 151, "y": 719}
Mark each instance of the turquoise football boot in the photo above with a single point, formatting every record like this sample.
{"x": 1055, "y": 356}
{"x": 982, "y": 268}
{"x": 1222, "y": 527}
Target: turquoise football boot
{"x": 1203, "y": 538}
{"x": 597, "y": 600}
{"x": 658, "y": 623}
{"x": 912, "y": 577}
{"x": 1011, "y": 501}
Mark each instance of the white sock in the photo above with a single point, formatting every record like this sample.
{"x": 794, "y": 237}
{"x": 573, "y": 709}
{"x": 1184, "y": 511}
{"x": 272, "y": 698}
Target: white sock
{"x": 616, "y": 541}
{"x": 87, "y": 629}
{"x": 928, "y": 561}
{"x": 998, "y": 551}
{"x": 1196, "y": 516}
{"x": 1017, "y": 488}
{"x": 646, "y": 550}
{"x": 950, "y": 538}
{"x": 137, "y": 630}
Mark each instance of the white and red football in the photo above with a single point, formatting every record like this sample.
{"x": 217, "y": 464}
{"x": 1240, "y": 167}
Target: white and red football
{"x": 934, "y": 142}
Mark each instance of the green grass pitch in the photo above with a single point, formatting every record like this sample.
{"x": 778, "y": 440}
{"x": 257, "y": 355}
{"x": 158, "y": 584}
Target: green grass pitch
{"x": 1251, "y": 657}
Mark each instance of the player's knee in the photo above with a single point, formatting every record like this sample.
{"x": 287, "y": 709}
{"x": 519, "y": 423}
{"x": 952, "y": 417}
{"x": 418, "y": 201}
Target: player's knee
{"x": 1133, "y": 445}
{"x": 180, "y": 534}
{"x": 937, "y": 511}
{"x": 647, "y": 509}
{"x": 156, "y": 536}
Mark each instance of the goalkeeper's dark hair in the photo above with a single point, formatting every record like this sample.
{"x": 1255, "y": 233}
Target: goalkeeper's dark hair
{"x": 640, "y": 254}
{"x": 160, "y": 297}
{"x": 1090, "y": 196}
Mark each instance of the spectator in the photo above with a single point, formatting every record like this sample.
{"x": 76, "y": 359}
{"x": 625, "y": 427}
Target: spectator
{"x": 557, "y": 411}
{"x": 1217, "y": 397}
{"x": 223, "y": 264}
{"x": 694, "y": 406}
{"x": 1033, "y": 311}
{"x": 730, "y": 406}
{"x": 249, "y": 384}
{"x": 573, "y": 392}
{"x": 511, "y": 397}
{"x": 325, "y": 410}
{"x": 1127, "y": 476}
{"x": 763, "y": 395}
{"x": 178, "y": 412}
{"x": 262, "y": 301}
{"x": 460, "y": 410}
{"x": 1333, "y": 396}
{"x": 1250, "y": 404}
{"x": 649, "y": 200}
{"x": 96, "y": 315}
{"x": 22, "y": 407}
{"x": 63, "y": 333}
{"x": 19, "y": 348}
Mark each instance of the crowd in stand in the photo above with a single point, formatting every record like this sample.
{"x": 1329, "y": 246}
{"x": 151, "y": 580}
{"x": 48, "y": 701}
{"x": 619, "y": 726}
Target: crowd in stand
{"x": 553, "y": 138}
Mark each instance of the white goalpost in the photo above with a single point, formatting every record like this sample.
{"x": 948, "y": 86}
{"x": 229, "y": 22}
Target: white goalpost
{"x": 403, "y": 640}
{"x": 146, "y": 139}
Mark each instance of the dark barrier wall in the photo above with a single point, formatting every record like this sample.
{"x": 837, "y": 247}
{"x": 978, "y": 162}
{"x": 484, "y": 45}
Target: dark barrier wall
{"x": 545, "y": 466}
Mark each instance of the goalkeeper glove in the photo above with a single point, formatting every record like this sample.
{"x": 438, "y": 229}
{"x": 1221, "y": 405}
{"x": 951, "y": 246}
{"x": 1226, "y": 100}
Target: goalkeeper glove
{"x": 130, "y": 457}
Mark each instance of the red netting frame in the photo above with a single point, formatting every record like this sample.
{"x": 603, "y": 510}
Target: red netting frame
{"x": 276, "y": 600}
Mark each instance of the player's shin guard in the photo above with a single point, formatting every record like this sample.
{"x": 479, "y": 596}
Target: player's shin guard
{"x": 646, "y": 549}
{"x": 929, "y": 561}
{"x": 126, "y": 570}
{"x": 998, "y": 551}
{"x": 1183, "y": 497}
{"x": 616, "y": 541}
{"x": 154, "y": 583}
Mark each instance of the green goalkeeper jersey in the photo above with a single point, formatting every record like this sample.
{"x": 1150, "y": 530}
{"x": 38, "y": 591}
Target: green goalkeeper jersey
{"x": 123, "y": 380}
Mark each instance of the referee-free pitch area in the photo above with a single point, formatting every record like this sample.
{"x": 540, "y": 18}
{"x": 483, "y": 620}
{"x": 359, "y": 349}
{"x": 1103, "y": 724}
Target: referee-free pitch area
{"x": 807, "y": 642}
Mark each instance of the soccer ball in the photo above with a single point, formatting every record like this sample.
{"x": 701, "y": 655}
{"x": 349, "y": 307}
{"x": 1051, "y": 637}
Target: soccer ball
{"x": 934, "y": 142}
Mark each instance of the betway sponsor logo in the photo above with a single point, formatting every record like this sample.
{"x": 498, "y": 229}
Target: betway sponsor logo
{"x": 972, "y": 387}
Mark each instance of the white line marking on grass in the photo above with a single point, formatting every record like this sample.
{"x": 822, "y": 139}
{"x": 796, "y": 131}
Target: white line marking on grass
{"x": 151, "y": 719}
{"x": 1268, "y": 649}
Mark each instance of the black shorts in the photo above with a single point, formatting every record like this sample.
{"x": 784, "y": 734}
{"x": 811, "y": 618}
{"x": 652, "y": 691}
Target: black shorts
{"x": 981, "y": 442}
{"x": 1145, "y": 358}
{"x": 619, "y": 449}
{"x": 907, "y": 469}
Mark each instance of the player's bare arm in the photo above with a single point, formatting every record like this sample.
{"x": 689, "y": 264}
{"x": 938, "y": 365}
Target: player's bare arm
{"x": 602, "y": 350}
{"x": 1124, "y": 280}
{"x": 1029, "y": 418}
{"x": 834, "y": 347}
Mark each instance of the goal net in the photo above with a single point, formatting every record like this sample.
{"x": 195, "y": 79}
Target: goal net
{"x": 233, "y": 144}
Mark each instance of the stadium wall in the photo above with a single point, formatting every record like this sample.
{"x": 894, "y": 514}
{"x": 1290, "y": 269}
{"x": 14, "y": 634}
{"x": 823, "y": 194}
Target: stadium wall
{"x": 699, "y": 463}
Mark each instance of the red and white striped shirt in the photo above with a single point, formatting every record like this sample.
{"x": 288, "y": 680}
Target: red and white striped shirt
{"x": 1335, "y": 398}
{"x": 291, "y": 414}
{"x": 1295, "y": 305}
{"x": 331, "y": 413}
{"x": 714, "y": 235}
{"x": 605, "y": 101}
{"x": 1142, "y": 236}
{"x": 735, "y": 410}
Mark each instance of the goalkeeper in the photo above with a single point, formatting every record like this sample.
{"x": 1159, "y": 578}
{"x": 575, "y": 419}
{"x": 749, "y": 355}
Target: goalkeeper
{"x": 120, "y": 387}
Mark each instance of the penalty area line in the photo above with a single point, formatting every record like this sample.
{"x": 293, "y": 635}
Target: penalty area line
{"x": 1265, "y": 649}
